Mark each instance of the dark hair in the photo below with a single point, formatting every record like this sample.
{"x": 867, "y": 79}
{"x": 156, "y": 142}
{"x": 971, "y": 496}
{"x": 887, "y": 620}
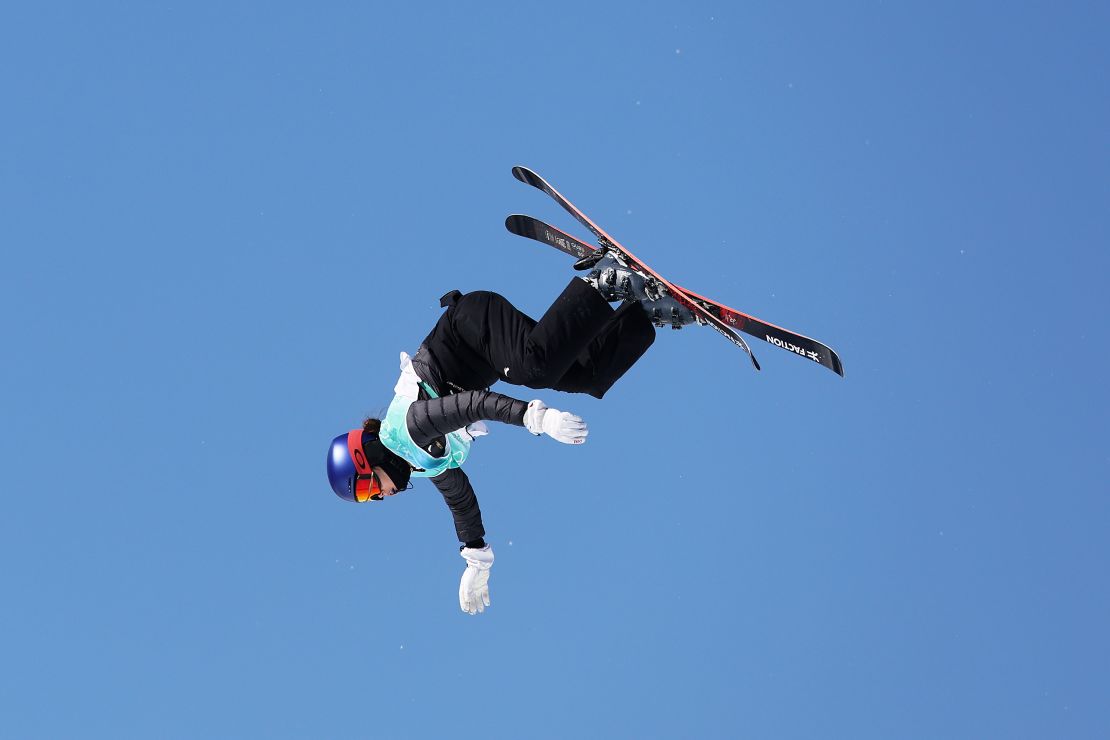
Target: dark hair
{"x": 371, "y": 424}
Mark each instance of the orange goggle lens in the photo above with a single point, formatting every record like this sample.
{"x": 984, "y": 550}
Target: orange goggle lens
{"x": 368, "y": 488}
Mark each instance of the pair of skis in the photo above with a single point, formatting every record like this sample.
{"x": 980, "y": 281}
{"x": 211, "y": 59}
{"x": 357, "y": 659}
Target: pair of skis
{"x": 707, "y": 311}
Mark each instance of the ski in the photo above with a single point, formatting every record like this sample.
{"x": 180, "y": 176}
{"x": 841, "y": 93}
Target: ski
{"x": 703, "y": 315}
{"x": 533, "y": 228}
{"x": 799, "y": 344}
{"x": 822, "y": 354}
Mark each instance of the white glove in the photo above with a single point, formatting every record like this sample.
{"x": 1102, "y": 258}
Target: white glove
{"x": 475, "y": 430}
{"x": 408, "y": 385}
{"x": 474, "y": 586}
{"x": 561, "y": 425}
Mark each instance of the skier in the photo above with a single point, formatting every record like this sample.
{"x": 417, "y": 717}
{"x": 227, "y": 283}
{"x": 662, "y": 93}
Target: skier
{"x": 580, "y": 345}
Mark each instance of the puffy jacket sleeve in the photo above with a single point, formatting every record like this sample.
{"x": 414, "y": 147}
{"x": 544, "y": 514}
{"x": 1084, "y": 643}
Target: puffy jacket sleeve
{"x": 459, "y": 495}
{"x": 430, "y": 419}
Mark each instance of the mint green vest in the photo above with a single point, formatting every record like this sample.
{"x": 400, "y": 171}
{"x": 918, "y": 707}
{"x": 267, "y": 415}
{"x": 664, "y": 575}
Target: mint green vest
{"x": 394, "y": 434}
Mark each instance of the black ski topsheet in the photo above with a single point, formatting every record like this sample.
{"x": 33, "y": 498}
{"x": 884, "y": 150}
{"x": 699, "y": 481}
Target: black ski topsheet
{"x": 703, "y": 315}
{"x": 533, "y": 228}
{"x": 822, "y": 354}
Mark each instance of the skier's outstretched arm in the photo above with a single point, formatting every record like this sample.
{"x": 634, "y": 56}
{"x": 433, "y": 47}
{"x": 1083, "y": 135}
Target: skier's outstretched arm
{"x": 457, "y": 492}
{"x": 459, "y": 495}
{"x": 432, "y": 418}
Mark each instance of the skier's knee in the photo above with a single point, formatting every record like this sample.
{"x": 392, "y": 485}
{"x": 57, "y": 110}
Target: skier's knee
{"x": 535, "y": 373}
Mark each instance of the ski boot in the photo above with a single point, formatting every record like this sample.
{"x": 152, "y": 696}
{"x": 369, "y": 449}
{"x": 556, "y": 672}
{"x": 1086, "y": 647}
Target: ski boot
{"x": 616, "y": 281}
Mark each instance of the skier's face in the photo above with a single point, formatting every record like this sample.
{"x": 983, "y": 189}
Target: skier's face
{"x": 374, "y": 486}
{"x": 384, "y": 482}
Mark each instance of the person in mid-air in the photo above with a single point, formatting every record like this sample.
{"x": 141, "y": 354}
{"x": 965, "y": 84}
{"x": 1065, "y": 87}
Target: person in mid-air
{"x": 580, "y": 345}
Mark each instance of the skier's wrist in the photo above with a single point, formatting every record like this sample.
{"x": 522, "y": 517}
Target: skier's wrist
{"x": 477, "y": 544}
{"x": 533, "y": 416}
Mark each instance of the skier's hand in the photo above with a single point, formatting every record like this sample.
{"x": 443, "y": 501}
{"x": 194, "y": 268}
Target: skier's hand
{"x": 561, "y": 425}
{"x": 474, "y": 586}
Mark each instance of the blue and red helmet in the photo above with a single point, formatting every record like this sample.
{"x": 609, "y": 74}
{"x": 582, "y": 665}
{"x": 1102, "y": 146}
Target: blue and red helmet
{"x": 351, "y": 462}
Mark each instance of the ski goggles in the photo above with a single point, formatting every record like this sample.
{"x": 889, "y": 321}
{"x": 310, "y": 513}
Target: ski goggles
{"x": 367, "y": 487}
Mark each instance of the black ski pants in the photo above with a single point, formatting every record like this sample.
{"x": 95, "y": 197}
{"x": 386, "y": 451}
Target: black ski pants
{"x": 580, "y": 345}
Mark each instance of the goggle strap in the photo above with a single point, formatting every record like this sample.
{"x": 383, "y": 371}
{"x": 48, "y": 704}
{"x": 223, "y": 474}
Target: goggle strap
{"x": 358, "y": 456}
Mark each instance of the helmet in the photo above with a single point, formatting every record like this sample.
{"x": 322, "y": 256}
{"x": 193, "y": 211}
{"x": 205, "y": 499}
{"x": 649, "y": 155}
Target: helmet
{"x": 353, "y": 456}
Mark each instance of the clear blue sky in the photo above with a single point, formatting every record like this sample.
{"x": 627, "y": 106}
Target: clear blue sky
{"x": 220, "y": 223}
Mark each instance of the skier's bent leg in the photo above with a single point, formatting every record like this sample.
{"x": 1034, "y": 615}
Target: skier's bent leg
{"x": 528, "y": 352}
{"x": 565, "y": 331}
{"x": 623, "y": 341}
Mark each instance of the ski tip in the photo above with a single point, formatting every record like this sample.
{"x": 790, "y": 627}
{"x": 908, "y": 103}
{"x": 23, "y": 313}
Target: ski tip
{"x": 526, "y": 176}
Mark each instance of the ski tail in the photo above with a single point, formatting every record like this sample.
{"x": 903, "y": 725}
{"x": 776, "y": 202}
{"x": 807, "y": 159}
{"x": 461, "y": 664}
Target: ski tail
{"x": 533, "y": 228}
{"x": 529, "y": 177}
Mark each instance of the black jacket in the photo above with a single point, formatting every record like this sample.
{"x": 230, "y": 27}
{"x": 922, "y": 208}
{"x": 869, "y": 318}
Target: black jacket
{"x": 430, "y": 419}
